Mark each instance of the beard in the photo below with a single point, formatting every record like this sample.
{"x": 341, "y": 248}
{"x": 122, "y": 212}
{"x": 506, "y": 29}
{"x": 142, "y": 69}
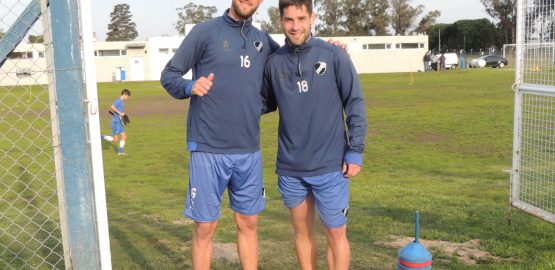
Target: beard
{"x": 244, "y": 14}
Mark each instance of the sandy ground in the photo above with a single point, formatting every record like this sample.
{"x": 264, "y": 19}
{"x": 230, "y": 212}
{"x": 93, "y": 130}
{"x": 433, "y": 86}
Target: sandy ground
{"x": 469, "y": 252}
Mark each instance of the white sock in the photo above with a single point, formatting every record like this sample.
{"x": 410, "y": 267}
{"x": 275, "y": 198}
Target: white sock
{"x": 121, "y": 145}
{"x": 108, "y": 138}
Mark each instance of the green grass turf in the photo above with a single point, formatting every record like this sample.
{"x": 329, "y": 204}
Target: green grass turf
{"x": 438, "y": 146}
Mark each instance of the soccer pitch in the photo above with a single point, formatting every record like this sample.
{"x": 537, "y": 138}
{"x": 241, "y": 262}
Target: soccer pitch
{"x": 438, "y": 146}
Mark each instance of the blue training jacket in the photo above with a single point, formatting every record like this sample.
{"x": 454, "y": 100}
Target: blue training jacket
{"x": 314, "y": 85}
{"x": 226, "y": 120}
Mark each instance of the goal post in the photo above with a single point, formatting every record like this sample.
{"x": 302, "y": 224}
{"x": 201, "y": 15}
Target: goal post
{"x": 52, "y": 196}
{"x": 82, "y": 179}
{"x": 533, "y": 171}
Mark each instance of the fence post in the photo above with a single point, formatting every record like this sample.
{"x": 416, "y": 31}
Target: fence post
{"x": 78, "y": 211}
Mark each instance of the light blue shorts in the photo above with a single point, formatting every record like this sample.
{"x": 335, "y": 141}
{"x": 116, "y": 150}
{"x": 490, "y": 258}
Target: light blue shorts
{"x": 331, "y": 194}
{"x": 210, "y": 174}
{"x": 117, "y": 127}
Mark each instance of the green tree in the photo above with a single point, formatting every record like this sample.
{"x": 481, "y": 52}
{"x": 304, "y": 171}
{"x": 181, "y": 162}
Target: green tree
{"x": 428, "y": 20}
{"x": 475, "y": 35}
{"x": 348, "y": 17}
{"x": 331, "y": 14}
{"x": 273, "y": 26}
{"x": 379, "y": 18}
{"x": 121, "y": 28}
{"x": 403, "y": 16}
{"x": 434, "y": 32}
{"x": 193, "y": 14}
{"x": 357, "y": 19}
{"x": 36, "y": 39}
{"x": 505, "y": 12}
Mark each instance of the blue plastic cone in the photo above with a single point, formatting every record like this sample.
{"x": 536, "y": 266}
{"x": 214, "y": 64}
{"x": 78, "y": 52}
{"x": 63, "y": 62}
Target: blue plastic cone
{"x": 415, "y": 255}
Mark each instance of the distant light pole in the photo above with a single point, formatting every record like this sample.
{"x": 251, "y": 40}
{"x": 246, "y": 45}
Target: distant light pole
{"x": 439, "y": 41}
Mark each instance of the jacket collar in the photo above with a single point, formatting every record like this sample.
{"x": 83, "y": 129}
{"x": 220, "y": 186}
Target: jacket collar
{"x": 236, "y": 23}
{"x": 301, "y": 48}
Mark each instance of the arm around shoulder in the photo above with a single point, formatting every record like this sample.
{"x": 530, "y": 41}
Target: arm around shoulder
{"x": 354, "y": 106}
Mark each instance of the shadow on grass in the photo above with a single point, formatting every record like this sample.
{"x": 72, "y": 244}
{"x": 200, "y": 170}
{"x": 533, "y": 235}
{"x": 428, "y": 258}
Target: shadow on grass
{"x": 135, "y": 255}
{"x": 147, "y": 240}
{"x": 109, "y": 145}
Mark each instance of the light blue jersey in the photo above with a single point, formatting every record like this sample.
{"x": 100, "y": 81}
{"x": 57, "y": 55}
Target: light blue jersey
{"x": 117, "y": 126}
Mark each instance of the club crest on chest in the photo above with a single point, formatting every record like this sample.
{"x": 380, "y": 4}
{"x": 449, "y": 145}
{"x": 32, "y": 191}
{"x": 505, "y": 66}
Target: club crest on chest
{"x": 320, "y": 68}
{"x": 258, "y": 45}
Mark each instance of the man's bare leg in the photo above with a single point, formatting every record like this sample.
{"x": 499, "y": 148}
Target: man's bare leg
{"x": 247, "y": 240}
{"x": 203, "y": 232}
{"x": 339, "y": 245}
{"x": 302, "y": 217}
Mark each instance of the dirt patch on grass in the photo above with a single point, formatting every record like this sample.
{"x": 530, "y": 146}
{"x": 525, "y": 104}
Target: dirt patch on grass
{"x": 227, "y": 251}
{"x": 433, "y": 138}
{"x": 469, "y": 252}
{"x": 153, "y": 218}
{"x": 157, "y": 106}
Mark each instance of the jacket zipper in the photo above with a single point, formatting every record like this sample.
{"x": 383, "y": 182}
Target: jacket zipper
{"x": 243, "y": 35}
{"x": 299, "y": 71}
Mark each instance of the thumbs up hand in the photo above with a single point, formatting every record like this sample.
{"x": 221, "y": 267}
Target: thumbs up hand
{"x": 203, "y": 85}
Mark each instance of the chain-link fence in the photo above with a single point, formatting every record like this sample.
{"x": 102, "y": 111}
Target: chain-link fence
{"x": 533, "y": 176}
{"x": 30, "y": 234}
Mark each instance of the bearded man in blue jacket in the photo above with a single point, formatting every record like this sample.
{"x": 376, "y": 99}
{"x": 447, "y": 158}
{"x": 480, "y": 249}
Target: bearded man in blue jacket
{"x": 227, "y": 55}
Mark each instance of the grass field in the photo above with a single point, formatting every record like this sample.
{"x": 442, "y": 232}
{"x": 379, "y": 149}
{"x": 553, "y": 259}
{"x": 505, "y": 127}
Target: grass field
{"x": 438, "y": 146}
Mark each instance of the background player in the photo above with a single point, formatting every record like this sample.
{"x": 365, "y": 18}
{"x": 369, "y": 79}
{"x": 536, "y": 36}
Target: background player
{"x": 117, "y": 126}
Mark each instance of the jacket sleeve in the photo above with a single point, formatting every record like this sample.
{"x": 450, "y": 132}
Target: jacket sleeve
{"x": 268, "y": 98}
{"x": 274, "y": 46}
{"x": 185, "y": 58}
{"x": 353, "y": 104}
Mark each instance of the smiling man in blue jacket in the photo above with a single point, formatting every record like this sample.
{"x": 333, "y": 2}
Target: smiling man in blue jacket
{"x": 313, "y": 84}
{"x": 227, "y": 56}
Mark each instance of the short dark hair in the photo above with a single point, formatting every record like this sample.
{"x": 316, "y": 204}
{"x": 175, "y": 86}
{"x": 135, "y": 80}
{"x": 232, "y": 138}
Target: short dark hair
{"x": 126, "y": 92}
{"x": 283, "y": 4}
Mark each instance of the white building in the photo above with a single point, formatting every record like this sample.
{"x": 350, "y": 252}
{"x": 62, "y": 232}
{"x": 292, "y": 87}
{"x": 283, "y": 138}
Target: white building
{"x": 144, "y": 60}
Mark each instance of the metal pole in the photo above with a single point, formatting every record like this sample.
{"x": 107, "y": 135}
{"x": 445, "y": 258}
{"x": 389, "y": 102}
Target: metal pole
{"x": 439, "y": 41}
{"x": 94, "y": 135}
{"x": 77, "y": 176}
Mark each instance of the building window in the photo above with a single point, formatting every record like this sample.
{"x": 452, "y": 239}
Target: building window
{"x": 123, "y": 52}
{"x": 409, "y": 46}
{"x": 109, "y": 53}
{"x": 376, "y": 46}
{"x": 41, "y": 54}
{"x": 16, "y": 55}
{"x": 164, "y": 50}
{"x": 30, "y": 55}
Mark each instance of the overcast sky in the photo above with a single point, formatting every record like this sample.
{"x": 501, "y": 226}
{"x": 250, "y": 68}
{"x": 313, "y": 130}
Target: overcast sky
{"x": 155, "y": 18}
